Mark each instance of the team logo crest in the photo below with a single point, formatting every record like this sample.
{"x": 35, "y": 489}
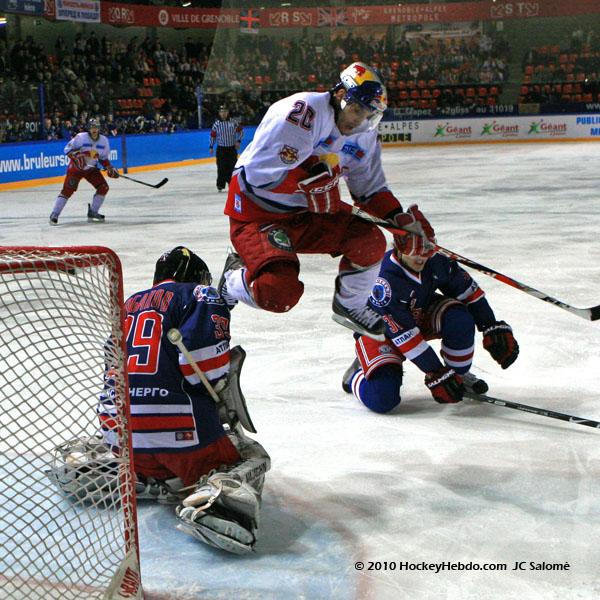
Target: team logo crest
{"x": 184, "y": 436}
{"x": 205, "y": 293}
{"x": 288, "y": 154}
{"x": 279, "y": 239}
{"x": 381, "y": 293}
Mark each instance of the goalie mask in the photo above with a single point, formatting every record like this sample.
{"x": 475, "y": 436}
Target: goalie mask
{"x": 183, "y": 266}
{"x": 363, "y": 86}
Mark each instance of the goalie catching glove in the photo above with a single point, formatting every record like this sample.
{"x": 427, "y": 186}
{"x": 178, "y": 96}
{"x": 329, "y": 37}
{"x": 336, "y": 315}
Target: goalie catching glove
{"x": 446, "y": 386}
{"x": 499, "y": 341}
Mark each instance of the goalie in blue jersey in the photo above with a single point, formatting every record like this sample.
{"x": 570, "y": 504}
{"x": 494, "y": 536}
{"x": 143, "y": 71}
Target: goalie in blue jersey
{"x": 189, "y": 447}
{"x": 407, "y": 295}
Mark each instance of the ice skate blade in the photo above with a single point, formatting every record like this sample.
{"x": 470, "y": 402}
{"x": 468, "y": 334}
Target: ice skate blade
{"x": 355, "y": 327}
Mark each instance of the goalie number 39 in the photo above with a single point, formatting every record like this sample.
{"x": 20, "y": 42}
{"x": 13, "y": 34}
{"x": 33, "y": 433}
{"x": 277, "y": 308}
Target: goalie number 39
{"x": 146, "y": 331}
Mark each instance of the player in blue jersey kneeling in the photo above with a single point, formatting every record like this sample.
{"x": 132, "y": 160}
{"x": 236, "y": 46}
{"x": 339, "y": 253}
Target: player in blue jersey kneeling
{"x": 406, "y": 295}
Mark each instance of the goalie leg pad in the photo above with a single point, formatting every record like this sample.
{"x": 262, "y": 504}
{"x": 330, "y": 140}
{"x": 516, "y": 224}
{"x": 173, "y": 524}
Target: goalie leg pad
{"x": 86, "y": 470}
{"x": 217, "y": 531}
{"x": 255, "y": 460}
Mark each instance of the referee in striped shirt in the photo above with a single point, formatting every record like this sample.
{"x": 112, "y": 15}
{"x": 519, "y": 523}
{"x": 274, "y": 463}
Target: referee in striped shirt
{"x": 227, "y": 134}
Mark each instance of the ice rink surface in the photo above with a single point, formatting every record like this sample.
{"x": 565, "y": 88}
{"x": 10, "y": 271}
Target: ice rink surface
{"x": 469, "y": 484}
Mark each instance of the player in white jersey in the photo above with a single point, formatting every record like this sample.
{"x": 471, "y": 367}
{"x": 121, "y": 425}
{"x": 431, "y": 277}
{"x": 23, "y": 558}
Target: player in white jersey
{"x": 87, "y": 150}
{"x": 284, "y": 199}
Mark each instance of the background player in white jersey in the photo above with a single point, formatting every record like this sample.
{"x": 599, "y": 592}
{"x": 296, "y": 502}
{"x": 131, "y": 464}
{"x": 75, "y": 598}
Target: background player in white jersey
{"x": 181, "y": 449}
{"x": 406, "y": 295}
{"x": 86, "y": 150}
{"x": 284, "y": 199}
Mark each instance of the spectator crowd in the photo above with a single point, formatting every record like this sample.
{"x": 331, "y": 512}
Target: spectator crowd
{"x": 140, "y": 86}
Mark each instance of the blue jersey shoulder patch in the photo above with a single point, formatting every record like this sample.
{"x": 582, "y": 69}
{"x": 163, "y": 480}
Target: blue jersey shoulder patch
{"x": 381, "y": 294}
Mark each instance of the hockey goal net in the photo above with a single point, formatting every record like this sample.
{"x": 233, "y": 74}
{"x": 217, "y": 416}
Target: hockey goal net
{"x": 67, "y": 506}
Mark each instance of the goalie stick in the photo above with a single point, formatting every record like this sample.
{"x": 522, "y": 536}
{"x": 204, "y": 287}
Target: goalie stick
{"x": 532, "y": 409}
{"x": 175, "y": 337}
{"x": 590, "y": 314}
{"x": 155, "y": 186}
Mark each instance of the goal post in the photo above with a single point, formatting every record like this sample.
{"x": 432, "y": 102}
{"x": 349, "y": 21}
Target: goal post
{"x": 67, "y": 502}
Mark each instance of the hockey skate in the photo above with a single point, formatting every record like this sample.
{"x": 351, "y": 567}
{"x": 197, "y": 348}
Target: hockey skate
{"x": 473, "y": 384}
{"x": 53, "y": 219}
{"x": 348, "y": 375}
{"x": 94, "y": 217}
{"x": 362, "y": 320}
{"x": 162, "y": 491}
{"x": 232, "y": 263}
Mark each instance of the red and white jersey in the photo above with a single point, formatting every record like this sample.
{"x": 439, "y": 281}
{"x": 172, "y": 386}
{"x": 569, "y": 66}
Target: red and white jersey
{"x": 95, "y": 151}
{"x": 293, "y": 130}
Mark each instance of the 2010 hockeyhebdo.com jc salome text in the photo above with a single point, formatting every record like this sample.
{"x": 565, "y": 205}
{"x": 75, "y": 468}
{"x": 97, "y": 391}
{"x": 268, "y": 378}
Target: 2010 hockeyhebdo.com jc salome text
{"x": 437, "y": 567}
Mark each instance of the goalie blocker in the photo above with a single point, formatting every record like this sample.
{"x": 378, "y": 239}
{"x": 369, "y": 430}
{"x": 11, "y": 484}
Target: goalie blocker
{"x": 222, "y": 509}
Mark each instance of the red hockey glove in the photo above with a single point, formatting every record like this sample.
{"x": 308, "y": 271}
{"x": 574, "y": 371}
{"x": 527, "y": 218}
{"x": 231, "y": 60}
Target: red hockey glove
{"x": 78, "y": 159}
{"x": 112, "y": 172}
{"x": 413, "y": 244}
{"x": 420, "y": 218}
{"x": 323, "y": 192}
{"x": 445, "y": 385}
{"x": 499, "y": 341}
{"x": 414, "y": 221}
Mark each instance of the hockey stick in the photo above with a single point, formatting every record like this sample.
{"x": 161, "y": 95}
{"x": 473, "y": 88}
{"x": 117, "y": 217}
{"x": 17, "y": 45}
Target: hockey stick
{"x": 532, "y": 409}
{"x": 174, "y": 336}
{"x": 590, "y": 314}
{"x": 231, "y": 400}
{"x": 158, "y": 185}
